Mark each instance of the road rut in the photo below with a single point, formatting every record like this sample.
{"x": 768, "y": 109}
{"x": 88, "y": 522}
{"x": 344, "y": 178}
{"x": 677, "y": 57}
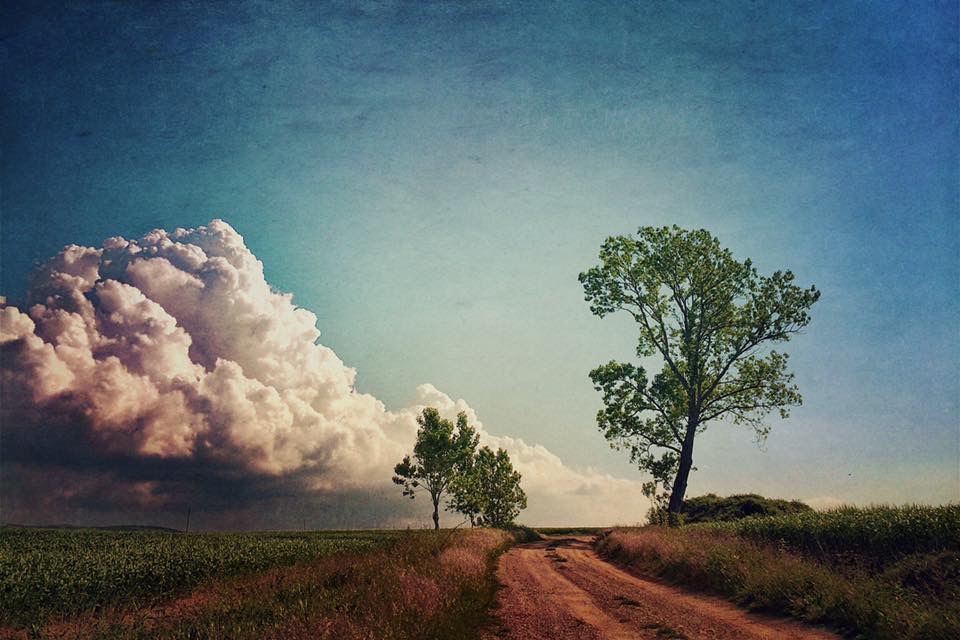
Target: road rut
{"x": 559, "y": 588}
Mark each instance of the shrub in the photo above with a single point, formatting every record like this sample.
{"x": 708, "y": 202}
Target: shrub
{"x": 523, "y": 534}
{"x": 711, "y": 507}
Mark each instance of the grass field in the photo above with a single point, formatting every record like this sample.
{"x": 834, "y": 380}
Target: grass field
{"x": 385, "y": 584}
{"x": 879, "y": 572}
{"x": 877, "y": 534}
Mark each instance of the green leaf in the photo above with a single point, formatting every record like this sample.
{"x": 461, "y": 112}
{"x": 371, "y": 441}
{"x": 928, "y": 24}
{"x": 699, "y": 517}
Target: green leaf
{"x": 710, "y": 320}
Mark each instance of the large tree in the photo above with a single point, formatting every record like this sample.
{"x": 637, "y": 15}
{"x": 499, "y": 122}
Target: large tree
{"x": 443, "y": 451}
{"x": 711, "y": 320}
{"x": 489, "y": 491}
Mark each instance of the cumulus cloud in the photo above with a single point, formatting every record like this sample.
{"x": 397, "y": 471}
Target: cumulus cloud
{"x": 147, "y": 375}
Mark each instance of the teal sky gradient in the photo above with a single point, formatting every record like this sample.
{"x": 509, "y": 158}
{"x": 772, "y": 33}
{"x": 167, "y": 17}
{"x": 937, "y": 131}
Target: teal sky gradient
{"x": 430, "y": 178}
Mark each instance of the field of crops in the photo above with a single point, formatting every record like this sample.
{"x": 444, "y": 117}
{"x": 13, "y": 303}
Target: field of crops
{"x": 885, "y": 573}
{"x": 877, "y": 533}
{"x": 46, "y": 572}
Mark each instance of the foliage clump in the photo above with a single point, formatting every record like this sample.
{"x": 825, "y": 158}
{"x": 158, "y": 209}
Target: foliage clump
{"x": 714, "y": 508}
{"x": 482, "y": 485}
{"x": 442, "y": 453}
{"x": 711, "y": 320}
{"x": 489, "y": 492}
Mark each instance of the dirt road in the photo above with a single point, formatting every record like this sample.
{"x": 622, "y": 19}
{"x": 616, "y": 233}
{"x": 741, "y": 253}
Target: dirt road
{"x": 559, "y": 588}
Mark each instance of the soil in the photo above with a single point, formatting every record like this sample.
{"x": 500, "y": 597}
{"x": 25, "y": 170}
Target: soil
{"x": 559, "y": 588}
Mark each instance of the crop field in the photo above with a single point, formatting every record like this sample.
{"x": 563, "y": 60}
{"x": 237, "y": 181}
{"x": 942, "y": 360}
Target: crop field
{"x": 57, "y": 571}
{"x": 90, "y": 583}
{"x": 876, "y": 572}
{"x": 878, "y": 534}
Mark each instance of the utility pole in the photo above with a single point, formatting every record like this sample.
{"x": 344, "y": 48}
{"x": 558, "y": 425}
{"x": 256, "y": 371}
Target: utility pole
{"x": 187, "y": 530}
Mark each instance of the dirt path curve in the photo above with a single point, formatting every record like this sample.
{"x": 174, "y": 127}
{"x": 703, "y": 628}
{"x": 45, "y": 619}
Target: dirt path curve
{"x": 559, "y": 589}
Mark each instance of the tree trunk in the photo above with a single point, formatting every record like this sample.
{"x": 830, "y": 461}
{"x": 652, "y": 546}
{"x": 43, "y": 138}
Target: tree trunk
{"x": 683, "y": 472}
{"x": 436, "y": 512}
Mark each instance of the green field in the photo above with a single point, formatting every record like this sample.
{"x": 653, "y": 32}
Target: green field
{"x": 84, "y": 583}
{"x": 879, "y": 534}
{"x": 47, "y": 572}
{"x": 877, "y": 572}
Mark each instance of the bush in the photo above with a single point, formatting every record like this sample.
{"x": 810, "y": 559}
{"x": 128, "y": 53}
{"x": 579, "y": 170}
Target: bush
{"x": 523, "y": 534}
{"x": 712, "y": 508}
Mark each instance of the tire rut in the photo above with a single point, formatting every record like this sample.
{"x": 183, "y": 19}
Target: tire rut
{"x": 559, "y": 588}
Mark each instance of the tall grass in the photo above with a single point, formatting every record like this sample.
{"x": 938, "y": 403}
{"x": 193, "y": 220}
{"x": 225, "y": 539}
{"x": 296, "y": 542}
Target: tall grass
{"x": 412, "y": 585}
{"x": 47, "y": 572}
{"x": 880, "y": 573}
{"x": 879, "y": 534}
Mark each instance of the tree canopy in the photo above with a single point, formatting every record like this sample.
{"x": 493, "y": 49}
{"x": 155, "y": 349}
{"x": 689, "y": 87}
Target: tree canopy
{"x": 442, "y": 452}
{"x": 489, "y": 492}
{"x": 709, "y": 318}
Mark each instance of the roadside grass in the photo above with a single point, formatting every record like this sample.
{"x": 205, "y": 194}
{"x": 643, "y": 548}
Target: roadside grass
{"x": 415, "y": 584}
{"x": 875, "y": 535}
{"x": 879, "y": 572}
{"x": 47, "y": 572}
{"x": 522, "y": 533}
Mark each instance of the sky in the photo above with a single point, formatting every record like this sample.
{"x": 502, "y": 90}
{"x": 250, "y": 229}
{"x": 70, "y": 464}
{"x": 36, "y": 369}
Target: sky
{"x": 428, "y": 179}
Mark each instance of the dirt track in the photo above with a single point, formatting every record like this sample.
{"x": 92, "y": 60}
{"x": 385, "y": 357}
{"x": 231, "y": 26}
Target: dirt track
{"x": 560, "y": 589}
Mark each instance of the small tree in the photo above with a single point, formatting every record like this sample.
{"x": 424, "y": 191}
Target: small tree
{"x": 489, "y": 492}
{"x": 708, "y": 317}
{"x": 441, "y": 454}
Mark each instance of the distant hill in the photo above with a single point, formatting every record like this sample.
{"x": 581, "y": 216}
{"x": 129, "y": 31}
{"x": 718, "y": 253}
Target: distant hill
{"x": 714, "y": 508}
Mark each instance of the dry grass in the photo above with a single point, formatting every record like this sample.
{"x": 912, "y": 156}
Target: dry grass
{"x": 462, "y": 561}
{"x": 53, "y": 573}
{"x": 770, "y": 578}
{"x": 423, "y": 585}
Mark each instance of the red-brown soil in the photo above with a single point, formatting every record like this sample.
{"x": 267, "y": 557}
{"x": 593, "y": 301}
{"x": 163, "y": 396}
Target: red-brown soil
{"x": 559, "y": 588}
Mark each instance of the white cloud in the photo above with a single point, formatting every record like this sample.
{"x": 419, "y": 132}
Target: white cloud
{"x": 559, "y": 495}
{"x": 175, "y": 348}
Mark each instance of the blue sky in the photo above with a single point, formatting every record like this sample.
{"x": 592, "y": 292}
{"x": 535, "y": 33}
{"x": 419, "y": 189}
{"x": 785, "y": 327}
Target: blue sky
{"x": 430, "y": 178}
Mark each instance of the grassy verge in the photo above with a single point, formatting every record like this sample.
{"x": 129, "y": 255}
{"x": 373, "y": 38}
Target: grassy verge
{"x": 522, "y": 533}
{"x": 872, "y": 573}
{"x": 407, "y": 585}
{"x": 53, "y": 572}
{"x": 875, "y": 535}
